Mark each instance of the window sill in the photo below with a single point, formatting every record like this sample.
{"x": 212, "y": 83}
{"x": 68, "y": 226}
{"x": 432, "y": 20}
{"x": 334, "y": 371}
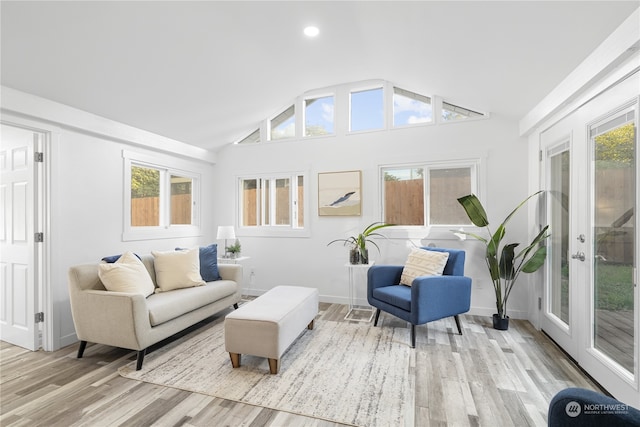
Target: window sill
{"x": 272, "y": 232}
{"x": 153, "y": 233}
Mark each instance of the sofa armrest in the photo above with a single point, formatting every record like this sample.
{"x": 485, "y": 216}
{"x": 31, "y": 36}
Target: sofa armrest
{"x": 118, "y": 319}
{"x": 231, "y": 272}
{"x": 437, "y": 297}
{"x": 379, "y": 276}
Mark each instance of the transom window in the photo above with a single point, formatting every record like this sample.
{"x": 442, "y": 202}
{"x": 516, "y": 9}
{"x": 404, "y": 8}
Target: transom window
{"x": 283, "y": 125}
{"x": 452, "y": 112}
{"x": 367, "y": 110}
{"x": 410, "y": 108}
{"x": 319, "y": 116}
{"x": 426, "y": 195}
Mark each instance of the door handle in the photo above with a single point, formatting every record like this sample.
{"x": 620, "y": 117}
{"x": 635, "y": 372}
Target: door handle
{"x": 579, "y": 255}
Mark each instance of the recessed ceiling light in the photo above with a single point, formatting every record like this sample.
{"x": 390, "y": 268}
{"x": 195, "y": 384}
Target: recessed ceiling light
{"x": 311, "y": 31}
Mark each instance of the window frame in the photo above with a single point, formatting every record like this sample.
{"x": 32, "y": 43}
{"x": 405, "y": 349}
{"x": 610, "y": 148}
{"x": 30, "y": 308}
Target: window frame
{"x": 165, "y": 229}
{"x": 357, "y": 89}
{"x": 271, "y": 229}
{"x": 395, "y": 90}
{"x": 442, "y": 231}
{"x": 304, "y": 114}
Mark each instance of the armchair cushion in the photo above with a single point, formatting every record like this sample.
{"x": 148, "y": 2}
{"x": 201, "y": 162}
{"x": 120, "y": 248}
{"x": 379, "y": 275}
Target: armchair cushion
{"x": 423, "y": 263}
{"x": 127, "y": 274}
{"x": 397, "y": 296}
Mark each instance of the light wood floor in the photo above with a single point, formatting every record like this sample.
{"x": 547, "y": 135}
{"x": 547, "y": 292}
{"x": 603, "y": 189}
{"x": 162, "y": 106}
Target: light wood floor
{"x": 484, "y": 377}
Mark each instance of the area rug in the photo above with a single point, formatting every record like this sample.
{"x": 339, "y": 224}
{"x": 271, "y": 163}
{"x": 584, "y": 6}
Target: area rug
{"x": 349, "y": 373}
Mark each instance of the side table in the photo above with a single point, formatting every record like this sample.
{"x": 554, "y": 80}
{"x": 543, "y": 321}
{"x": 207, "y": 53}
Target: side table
{"x": 356, "y": 311}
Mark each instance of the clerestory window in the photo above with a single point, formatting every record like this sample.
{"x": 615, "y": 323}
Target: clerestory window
{"x": 410, "y": 108}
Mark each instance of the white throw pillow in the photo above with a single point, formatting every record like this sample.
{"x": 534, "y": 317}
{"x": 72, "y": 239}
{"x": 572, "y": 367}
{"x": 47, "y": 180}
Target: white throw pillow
{"x": 177, "y": 269}
{"x": 422, "y": 262}
{"x": 127, "y": 274}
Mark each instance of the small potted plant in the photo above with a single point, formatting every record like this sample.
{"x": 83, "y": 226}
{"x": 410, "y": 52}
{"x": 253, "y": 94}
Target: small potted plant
{"x": 504, "y": 264}
{"x": 358, "y": 253}
{"x": 234, "y": 249}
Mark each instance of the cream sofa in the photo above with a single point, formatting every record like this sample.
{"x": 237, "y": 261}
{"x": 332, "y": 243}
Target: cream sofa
{"x": 134, "y": 322}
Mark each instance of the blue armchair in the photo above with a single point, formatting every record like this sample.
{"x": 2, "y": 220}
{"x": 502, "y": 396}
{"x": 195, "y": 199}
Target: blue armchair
{"x": 428, "y": 298}
{"x": 587, "y": 408}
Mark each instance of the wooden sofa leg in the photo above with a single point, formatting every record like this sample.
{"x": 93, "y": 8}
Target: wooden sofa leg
{"x": 83, "y": 345}
{"x": 458, "y": 323}
{"x": 375, "y": 321}
{"x": 141, "y": 354}
{"x": 413, "y": 336}
{"x": 310, "y": 325}
{"x": 273, "y": 366}
{"x": 235, "y": 359}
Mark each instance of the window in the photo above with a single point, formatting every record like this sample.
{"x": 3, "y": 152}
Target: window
{"x": 160, "y": 201}
{"x": 253, "y": 138}
{"x": 273, "y": 202}
{"x": 452, "y": 112}
{"x": 426, "y": 195}
{"x": 283, "y": 125}
{"x": 367, "y": 110}
{"x": 318, "y": 116}
{"x": 410, "y": 108}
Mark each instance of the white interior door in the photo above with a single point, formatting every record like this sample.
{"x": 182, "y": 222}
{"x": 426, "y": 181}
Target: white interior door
{"x": 591, "y": 294}
{"x": 18, "y": 295}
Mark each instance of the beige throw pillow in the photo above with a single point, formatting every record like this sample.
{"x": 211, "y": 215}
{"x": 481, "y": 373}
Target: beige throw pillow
{"x": 177, "y": 269}
{"x": 127, "y": 274}
{"x": 422, "y": 262}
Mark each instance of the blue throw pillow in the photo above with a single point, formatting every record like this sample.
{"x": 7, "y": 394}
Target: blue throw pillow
{"x": 208, "y": 262}
{"x": 113, "y": 258}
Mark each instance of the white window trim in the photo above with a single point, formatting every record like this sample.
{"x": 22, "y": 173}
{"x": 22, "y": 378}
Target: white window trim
{"x": 439, "y": 231}
{"x": 164, "y": 230}
{"x": 275, "y": 230}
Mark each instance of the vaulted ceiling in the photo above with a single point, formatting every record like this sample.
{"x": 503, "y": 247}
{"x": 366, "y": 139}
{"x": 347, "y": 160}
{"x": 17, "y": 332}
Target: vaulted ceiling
{"x": 207, "y": 72}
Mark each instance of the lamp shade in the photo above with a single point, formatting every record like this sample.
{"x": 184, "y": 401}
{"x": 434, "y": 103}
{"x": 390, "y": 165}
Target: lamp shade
{"x": 226, "y": 232}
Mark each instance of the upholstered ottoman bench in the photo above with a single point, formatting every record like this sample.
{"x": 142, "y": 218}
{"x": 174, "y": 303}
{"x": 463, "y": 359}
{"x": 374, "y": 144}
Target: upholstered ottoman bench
{"x": 268, "y": 325}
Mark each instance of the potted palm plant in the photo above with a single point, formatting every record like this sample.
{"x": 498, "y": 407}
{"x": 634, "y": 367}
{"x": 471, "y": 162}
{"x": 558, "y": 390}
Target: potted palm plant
{"x": 504, "y": 264}
{"x": 359, "y": 254}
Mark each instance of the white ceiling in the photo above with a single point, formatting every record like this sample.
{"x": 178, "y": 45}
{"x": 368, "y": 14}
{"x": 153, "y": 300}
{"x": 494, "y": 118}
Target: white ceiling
{"x": 207, "y": 72}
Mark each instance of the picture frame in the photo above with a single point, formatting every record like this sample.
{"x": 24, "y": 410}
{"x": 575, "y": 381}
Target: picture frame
{"x": 340, "y": 193}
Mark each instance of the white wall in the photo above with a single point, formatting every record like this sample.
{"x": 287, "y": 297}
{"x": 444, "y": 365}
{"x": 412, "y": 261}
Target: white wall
{"x": 309, "y": 262}
{"x": 86, "y": 193}
{"x": 86, "y": 172}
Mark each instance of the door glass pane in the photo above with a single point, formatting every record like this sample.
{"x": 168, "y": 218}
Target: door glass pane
{"x": 559, "y": 174}
{"x": 614, "y": 239}
{"x": 283, "y": 198}
{"x": 250, "y": 202}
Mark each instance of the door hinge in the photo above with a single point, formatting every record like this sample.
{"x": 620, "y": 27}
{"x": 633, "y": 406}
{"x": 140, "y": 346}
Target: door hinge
{"x": 38, "y": 157}
{"x": 540, "y": 155}
{"x": 39, "y": 317}
{"x": 539, "y": 303}
{"x": 39, "y": 237}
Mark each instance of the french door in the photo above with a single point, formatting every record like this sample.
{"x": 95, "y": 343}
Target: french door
{"x": 590, "y": 296}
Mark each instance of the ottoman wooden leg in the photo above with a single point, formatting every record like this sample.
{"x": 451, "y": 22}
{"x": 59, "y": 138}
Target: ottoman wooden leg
{"x": 273, "y": 366}
{"x": 235, "y": 359}
{"x": 310, "y": 325}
